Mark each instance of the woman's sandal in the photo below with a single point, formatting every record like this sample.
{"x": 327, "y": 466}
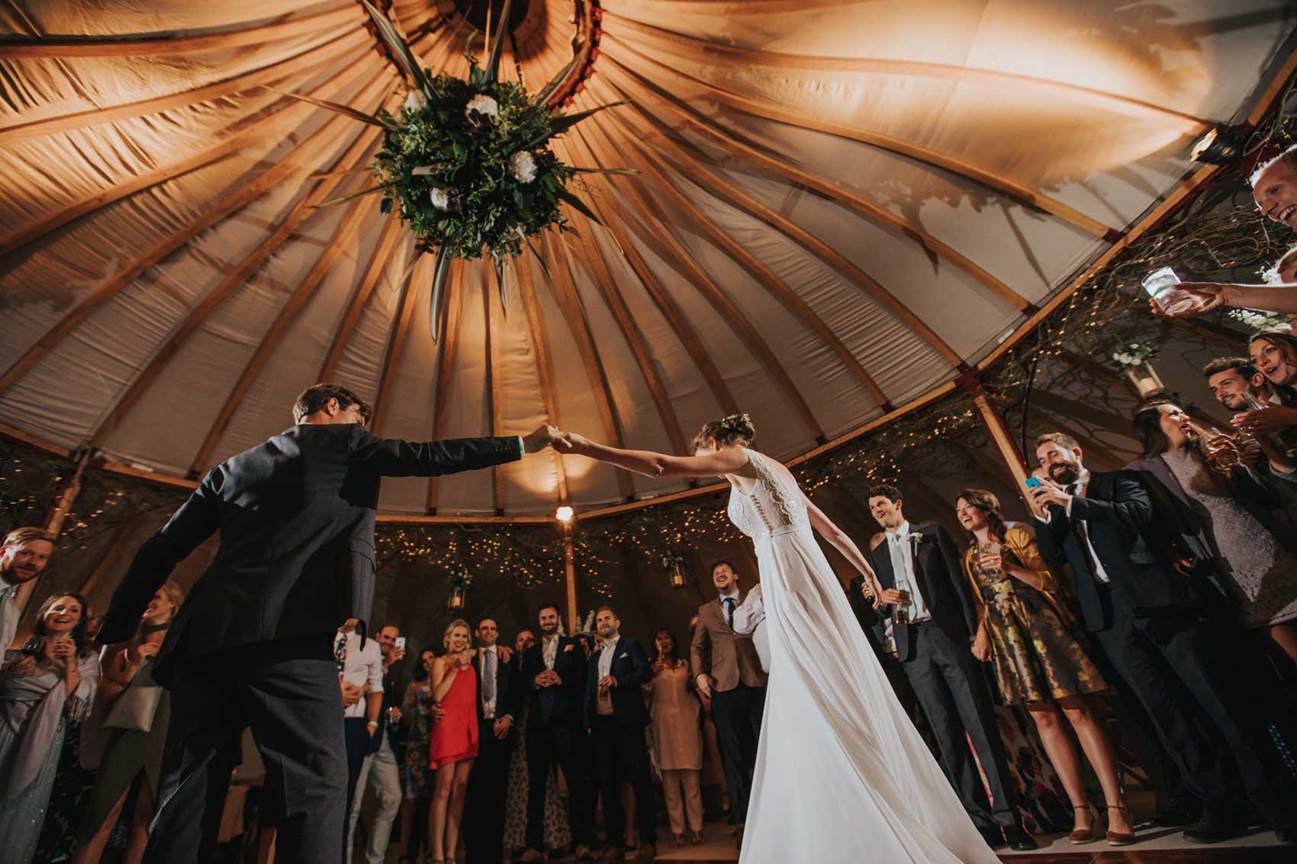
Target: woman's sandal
{"x": 1081, "y": 836}
{"x": 1121, "y": 838}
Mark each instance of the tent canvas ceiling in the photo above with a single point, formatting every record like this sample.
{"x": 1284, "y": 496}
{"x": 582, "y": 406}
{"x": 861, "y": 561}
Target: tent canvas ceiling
{"x": 839, "y": 204}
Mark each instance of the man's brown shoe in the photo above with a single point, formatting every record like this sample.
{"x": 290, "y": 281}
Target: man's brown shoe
{"x": 646, "y": 852}
{"x": 583, "y": 853}
{"x": 531, "y": 856}
{"x": 615, "y": 852}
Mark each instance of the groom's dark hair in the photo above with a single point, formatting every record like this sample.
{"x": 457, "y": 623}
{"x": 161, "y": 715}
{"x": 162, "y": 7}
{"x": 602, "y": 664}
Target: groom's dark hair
{"x": 885, "y": 490}
{"x": 725, "y": 563}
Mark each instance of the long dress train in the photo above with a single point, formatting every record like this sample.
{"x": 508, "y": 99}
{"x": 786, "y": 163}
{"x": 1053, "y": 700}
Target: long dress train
{"x": 841, "y": 775}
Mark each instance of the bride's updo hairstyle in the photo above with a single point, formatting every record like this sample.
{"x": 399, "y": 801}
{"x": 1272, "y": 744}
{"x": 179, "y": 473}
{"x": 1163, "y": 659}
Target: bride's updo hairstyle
{"x": 727, "y": 431}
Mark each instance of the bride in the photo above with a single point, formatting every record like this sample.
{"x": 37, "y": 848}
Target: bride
{"x": 841, "y": 772}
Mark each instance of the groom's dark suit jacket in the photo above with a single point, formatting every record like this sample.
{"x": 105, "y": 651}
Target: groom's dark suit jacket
{"x": 941, "y": 582}
{"x": 296, "y": 520}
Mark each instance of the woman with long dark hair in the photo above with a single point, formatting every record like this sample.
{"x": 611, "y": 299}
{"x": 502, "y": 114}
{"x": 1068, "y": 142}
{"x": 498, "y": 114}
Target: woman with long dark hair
{"x": 50, "y": 681}
{"x": 1233, "y": 509}
{"x": 136, "y": 735}
{"x": 1026, "y": 633}
{"x": 418, "y": 712}
{"x": 676, "y": 736}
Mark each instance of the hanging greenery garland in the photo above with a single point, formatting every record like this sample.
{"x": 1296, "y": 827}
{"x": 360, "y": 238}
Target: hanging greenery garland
{"x": 467, "y": 162}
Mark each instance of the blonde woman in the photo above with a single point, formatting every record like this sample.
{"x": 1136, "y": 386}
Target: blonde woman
{"x": 452, "y": 745}
{"x": 130, "y": 752}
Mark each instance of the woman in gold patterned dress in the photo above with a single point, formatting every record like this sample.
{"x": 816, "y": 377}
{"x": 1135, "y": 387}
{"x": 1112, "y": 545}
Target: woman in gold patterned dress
{"x": 1026, "y": 632}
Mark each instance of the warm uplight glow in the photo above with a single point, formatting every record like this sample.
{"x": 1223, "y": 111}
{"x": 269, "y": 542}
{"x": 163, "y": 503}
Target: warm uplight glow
{"x": 564, "y": 514}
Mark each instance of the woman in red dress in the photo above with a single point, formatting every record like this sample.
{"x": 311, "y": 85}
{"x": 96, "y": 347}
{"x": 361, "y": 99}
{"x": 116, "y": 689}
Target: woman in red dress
{"x": 453, "y": 743}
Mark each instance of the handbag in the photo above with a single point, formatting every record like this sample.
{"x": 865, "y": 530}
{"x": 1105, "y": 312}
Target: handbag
{"x": 135, "y": 709}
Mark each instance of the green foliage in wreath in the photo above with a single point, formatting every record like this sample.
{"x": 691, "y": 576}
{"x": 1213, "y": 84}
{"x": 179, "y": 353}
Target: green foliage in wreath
{"x": 470, "y": 169}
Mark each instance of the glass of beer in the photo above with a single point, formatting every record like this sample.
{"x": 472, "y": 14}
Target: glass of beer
{"x": 901, "y": 614}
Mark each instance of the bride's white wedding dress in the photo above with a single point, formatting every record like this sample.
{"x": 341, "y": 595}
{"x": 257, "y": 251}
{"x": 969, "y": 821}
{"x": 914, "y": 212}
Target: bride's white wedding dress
{"x": 842, "y": 775}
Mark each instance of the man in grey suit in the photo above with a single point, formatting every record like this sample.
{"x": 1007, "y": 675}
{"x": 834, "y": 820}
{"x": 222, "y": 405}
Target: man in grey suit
{"x": 252, "y": 645}
{"x": 728, "y": 673}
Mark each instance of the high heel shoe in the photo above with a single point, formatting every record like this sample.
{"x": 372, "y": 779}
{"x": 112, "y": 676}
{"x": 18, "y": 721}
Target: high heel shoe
{"x": 1120, "y": 838}
{"x": 1081, "y": 836}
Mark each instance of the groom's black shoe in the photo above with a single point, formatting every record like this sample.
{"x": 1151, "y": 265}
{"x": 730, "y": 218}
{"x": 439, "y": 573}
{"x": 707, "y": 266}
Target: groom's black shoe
{"x": 993, "y": 836}
{"x": 1019, "y": 840}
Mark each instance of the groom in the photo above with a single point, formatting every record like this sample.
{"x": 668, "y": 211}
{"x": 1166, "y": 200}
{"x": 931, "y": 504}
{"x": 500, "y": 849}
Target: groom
{"x": 252, "y": 645}
{"x": 930, "y": 629}
{"x": 728, "y": 673}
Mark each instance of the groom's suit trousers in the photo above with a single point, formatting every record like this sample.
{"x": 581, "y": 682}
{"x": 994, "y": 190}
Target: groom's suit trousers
{"x": 952, "y": 691}
{"x": 738, "y": 714}
{"x": 287, "y": 692}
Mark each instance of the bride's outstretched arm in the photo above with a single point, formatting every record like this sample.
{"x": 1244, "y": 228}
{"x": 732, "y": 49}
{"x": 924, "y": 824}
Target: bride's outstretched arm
{"x": 718, "y": 462}
{"x": 825, "y": 527}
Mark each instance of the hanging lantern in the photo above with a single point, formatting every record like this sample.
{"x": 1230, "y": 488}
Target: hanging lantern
{"x": 674, "y": 563}
{"x": 1144, "y": 378}
{"x": 458, "y": 600}
{"x": 1134, "y": 359}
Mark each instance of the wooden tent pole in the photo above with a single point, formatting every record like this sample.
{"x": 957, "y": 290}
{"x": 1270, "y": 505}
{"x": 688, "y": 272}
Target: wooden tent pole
{"x": 569, "y": 570}
{"x": 1003, "y": 441}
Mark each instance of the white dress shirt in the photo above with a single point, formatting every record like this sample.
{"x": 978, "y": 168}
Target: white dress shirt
{"x": 9, "y": 613}
{"x": 549, "y": 649}
{"x": 362, "y": 667}
{"x": 750, "y": 620}
{"x": 606, "y": 654}
{"x": 908, "y": 581}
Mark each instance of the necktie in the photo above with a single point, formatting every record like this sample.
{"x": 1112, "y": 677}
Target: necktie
{"x": 488, "y": 676}
{"x": 729, "y": 611}
{"x": 340, "y": 652}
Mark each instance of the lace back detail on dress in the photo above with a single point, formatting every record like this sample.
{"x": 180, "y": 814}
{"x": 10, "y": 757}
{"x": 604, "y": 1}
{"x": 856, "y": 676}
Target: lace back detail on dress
{"x": 775, "y": 502}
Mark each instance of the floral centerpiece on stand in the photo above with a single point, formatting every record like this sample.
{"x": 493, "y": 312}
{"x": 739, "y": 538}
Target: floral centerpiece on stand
{"x": 467, "y": 162}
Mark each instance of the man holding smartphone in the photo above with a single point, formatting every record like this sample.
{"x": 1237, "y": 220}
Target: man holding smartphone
{"x": 382, "y": 767}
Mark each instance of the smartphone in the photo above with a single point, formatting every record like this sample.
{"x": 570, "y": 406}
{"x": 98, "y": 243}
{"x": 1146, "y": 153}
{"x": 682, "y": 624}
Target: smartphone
{"x": 400, "y": 643}
{"x": 1032, "y": 483}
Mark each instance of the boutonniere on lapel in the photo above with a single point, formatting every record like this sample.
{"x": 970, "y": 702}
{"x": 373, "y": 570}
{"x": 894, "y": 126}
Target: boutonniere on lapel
{"x": 568, "y": 647}
{"x": 914, "y": 538}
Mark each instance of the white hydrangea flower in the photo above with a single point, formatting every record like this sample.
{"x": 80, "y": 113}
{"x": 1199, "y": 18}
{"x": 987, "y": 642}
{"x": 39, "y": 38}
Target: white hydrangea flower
{"x": 440, "y": 198}
{"x": 415, "y": 101}
{"x": 482, "y": 104}
{"x": 523, "y": 166}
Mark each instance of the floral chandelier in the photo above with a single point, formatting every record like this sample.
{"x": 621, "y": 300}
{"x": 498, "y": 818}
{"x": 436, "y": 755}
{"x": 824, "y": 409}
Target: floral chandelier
{"x": 467, "y": 163}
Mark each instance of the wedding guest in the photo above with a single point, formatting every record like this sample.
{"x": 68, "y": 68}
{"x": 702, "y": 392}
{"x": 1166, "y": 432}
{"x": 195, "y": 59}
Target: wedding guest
{"x": 676, "y": 737}
{"x": 1025, "y": 631}
{"x": 1235, "y": 513}
{"x": 43, "y": 686}
{"x": 1274, "y": 189}
{"x": 1132, "y": 572}
{"x": 554, "y": 675}
{"x": 557, "y": 834}
{"x": 23, "y": 557}
{"x": 418, "y": 714}
{"x": 381, "y": 766}
{"x": 1238, "y": 385}
{"x": 727, "y": 671}
{"x": 360, "y": 679}
{"x": 933, "y": 620}
{"x": 454, "y": 741}
{"x": 1274, "y": 353}
{"x": 136, "y": 734}
{"x": 616, "y": 716}
{"x": 499, "y": 695}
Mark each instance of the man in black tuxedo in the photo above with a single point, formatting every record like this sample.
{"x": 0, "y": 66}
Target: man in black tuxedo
{"x": 554, "y": 677}
{"x": 930, "y": 628}
{"x": 616, "y": 716}
{"x": 499, "y": 700}
{"x": 252, "y": 644}
{"x": 1140, "y": 579}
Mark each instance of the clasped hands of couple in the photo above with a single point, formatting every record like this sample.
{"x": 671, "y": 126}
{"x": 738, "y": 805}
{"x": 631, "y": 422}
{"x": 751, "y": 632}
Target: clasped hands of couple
{"x": 551, "y": 436}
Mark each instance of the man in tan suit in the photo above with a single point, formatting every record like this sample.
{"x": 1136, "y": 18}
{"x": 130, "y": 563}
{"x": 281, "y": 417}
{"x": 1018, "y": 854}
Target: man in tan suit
{"x": 728, "y": 673}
